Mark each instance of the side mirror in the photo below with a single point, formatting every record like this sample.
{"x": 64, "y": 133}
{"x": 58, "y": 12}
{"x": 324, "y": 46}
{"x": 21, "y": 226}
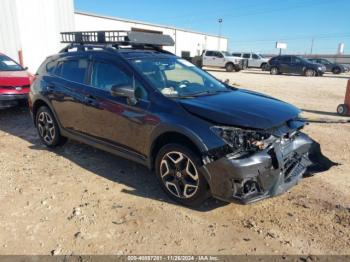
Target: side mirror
{"x": 124, "y": 91}
{"x": 227, "y": 81}
{"x": 25, "y": 68}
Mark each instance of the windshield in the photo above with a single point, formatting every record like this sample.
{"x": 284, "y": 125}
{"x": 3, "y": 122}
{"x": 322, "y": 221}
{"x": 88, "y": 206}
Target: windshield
{"x": 303, "y": 59}
{"x": 261, "y": 55}
{"x": 7, "y": 64}
{"x": 175, "y": 77}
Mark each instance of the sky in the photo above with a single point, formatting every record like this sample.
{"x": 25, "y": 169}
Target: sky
{"x": 250, "y": 25}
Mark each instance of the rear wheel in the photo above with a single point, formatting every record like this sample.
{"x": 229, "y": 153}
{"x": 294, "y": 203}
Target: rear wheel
{"x": 47, "y": 127}
{"x": 342, "y": 110}
{"x": 309, "y": 72}
{"x": 229, "y": 67}
{"x": 274, "y": 71}
{"x": 177, "y": 169}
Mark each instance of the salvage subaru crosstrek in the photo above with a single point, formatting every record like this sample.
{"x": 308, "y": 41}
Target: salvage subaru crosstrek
{"x": 121, "y": 92}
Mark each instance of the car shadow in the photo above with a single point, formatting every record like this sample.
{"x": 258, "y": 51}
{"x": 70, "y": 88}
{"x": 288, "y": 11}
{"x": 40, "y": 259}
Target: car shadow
{"x": 320, "y": 112}
{"x": 143, "y": 183}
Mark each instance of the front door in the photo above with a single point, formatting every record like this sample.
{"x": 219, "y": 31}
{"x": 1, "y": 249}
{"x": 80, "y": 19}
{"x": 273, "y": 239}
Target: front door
{"x": 114, "y": 119}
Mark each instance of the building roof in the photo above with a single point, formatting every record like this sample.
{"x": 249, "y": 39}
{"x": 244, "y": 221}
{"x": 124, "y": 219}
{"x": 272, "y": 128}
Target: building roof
{"x": 144, "y": 23}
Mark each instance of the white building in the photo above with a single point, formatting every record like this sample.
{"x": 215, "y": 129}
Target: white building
{"x": 29, "y": 30}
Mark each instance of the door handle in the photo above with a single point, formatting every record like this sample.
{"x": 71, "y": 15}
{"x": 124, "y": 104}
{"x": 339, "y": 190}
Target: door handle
{"x": 90, "y": 99}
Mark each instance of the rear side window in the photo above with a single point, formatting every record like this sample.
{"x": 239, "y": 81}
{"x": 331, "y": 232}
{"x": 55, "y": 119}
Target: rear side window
{"x": 72, "y": 70}
{"x": 236, "y": 54}
{"x": 285, "y": 59}
{"x": 210, "y": 53}
{"x": 246, "y": 55}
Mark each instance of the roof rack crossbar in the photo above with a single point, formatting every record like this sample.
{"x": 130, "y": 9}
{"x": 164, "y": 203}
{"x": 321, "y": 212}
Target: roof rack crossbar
{"x": 117, "y": 38}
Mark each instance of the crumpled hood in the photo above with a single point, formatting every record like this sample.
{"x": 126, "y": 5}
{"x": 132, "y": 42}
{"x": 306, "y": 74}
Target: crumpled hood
{"x": 241, "y": 108}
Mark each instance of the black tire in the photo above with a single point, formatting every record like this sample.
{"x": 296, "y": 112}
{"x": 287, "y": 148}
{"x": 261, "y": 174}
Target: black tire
{"x": 237, "y": 69}
{"x": 263, "y": 66}
{"x": 343, "y": 110}
{"x": 229, "y": 67}
{"x": 48, "y": 129}
{"x": 274, "y": 71}
{"x": 174, "y": 178}
{"x": 336, "y": 70}
{"x": 309, "y": 72}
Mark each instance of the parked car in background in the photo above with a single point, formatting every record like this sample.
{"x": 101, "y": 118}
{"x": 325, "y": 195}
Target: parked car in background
{"x": 14, "y": 82}
{"x": 254, "y": 59}
{"x": 221, "y": 59}
{"x": 335, "y": 68}
{"x": 291, "y": 64}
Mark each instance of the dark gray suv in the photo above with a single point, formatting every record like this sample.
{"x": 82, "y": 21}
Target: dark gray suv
{"x": 200, "y": 136}
{"x": 291, "y": 64}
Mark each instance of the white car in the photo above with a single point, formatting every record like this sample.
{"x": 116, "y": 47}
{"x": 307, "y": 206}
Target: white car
{"x": 254, "y": 59}
{"x": 222, "y": 59}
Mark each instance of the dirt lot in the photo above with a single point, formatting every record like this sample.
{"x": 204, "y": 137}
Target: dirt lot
{"x": 79, "y": 200}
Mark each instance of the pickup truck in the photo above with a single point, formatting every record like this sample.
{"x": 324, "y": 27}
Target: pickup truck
{"x": 220, "y": 59}
{"x": 254, "y": 60}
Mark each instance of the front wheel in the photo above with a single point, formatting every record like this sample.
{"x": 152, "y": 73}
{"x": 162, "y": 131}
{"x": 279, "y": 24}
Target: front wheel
{"x": 274, "y": 71}
{"x": 177, "y": 169}
{"x": 47, "y": 127}
{"x": 309, "y": 72}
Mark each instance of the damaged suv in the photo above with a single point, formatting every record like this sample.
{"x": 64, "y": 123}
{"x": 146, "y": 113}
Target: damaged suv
{"x": 201, "y": 136}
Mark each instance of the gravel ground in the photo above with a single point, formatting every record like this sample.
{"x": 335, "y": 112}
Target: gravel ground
{"x": 79, "y": 200}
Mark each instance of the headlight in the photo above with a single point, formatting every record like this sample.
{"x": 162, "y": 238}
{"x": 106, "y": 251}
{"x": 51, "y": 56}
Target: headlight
{"x": 320, "y": 68}
{"x": 242, "y": 140}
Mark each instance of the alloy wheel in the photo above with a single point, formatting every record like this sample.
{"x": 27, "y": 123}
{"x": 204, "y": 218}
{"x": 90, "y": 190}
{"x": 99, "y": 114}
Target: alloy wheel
{"x": 179, "y": 174}
{"x": 46, "y": 127}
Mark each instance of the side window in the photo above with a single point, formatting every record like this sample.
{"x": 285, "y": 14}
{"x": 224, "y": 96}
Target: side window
{"x": 246, "y": 56}
{"x": 209, "y": 53}
{"x": 219, "y": 54}
{"x": 104, "y": 76}
{"x": 255, "y": 56}
{"x": 51, "y": 66}
{"x": 296, "y": 60}
{"x": 285, "y": 59}
{"x": 72, "y": 70}
{"x": 236, "y": 54}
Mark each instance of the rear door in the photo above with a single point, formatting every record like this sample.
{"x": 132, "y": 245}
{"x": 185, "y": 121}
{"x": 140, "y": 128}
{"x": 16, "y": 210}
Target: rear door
{"x": 246, "y": 56}
{"x": 284, "y": 64}
{"x": 209, "y": 58}
{"x": 65, "y": 86}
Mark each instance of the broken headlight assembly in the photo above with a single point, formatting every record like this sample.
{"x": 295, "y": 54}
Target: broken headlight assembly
{"x": 243, "y": 141}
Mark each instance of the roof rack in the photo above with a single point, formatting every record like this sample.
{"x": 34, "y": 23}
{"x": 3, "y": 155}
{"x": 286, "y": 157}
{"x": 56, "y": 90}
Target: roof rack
{"x": 117, "y": 38}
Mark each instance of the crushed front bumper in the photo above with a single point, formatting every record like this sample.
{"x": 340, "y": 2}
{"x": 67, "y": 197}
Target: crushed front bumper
{"x": 264, "y": 174}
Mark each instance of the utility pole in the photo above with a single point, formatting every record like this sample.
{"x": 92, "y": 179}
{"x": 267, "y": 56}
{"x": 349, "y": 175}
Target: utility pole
{"x": 220, "y": 28}
{"x": 312, "y": 46}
